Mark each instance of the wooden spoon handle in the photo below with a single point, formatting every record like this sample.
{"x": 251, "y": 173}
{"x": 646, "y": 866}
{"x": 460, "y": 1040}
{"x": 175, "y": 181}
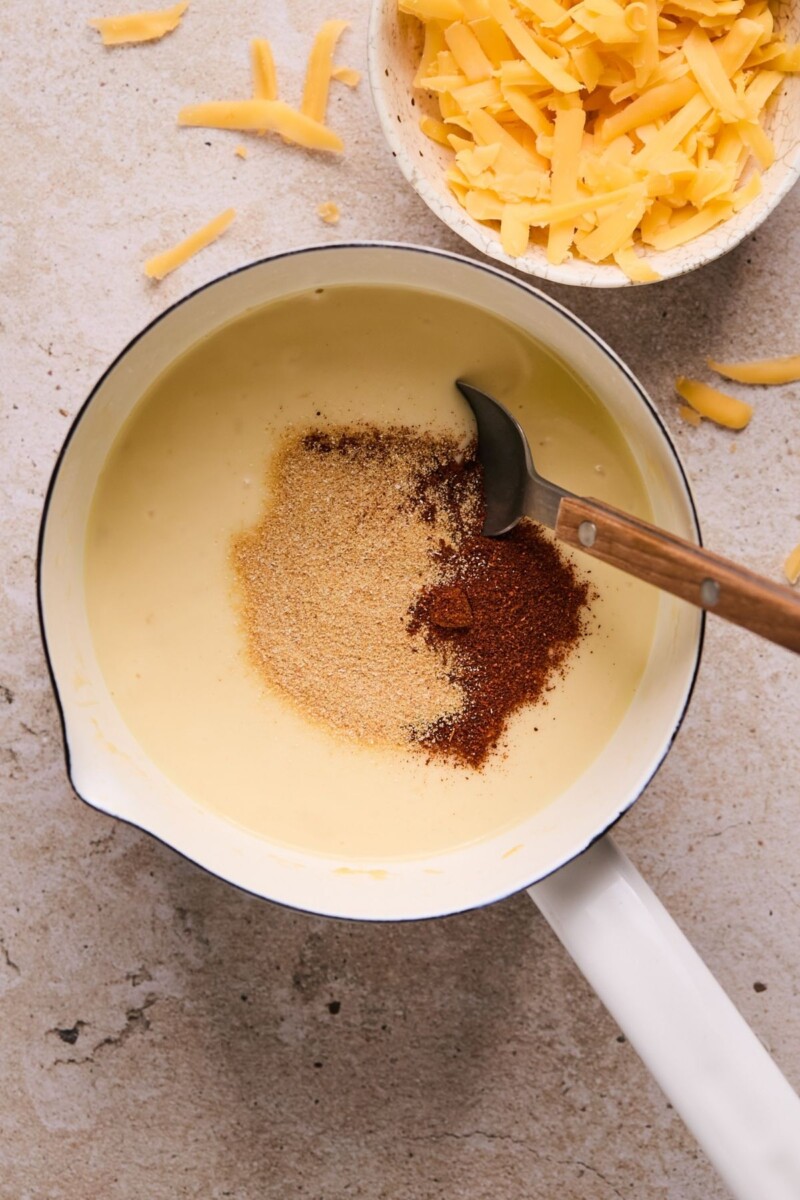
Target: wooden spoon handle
{"x": 676, "y": 566}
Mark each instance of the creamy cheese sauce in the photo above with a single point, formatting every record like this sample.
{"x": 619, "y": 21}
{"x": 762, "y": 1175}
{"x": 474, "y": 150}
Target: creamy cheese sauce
{"x": 189, "y": 471}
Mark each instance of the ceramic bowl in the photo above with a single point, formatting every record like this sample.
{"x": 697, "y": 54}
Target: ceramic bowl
{"x": 393, "y": 58}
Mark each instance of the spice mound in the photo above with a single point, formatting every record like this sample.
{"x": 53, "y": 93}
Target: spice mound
{"x": 371, "y": 600}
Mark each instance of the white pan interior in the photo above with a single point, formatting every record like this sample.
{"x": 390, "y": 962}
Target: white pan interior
{"x": 111, "y": 771}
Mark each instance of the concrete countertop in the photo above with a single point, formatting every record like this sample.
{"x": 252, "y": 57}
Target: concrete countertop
{"x": 163, "y": 1035}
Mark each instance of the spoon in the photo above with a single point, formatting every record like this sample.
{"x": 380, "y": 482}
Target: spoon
{"x": 513, "y": 489}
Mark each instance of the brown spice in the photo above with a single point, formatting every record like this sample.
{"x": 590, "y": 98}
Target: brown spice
{"x": 372, "y": 600}
{"x": 449, "y": 607}
{"x": 529, "y": 612}
{"x": 329, "y": 574}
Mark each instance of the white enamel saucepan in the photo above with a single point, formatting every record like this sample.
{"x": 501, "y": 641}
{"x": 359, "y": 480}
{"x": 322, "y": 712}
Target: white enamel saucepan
{"x": 710, "y": 1064}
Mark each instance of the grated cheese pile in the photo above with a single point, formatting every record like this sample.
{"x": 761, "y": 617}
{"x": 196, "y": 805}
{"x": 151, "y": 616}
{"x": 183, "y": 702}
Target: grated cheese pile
{"x": 603, "y": 126}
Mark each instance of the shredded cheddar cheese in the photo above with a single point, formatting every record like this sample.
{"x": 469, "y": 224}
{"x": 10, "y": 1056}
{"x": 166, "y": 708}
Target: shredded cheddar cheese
{"x": 259, "y": 116}
{"x": 713, "y": 405}
{"x": 329, "y": 212}
{"x": 265, "y": 113}
{"x": 241, "y": 151}
{"x": 320, "y": 69}
{"x": 791, "y": 567}
{"x": 347, "y": 75}
{"x": 161, "y": 264}
{"x": 265, "y": 79}
{"x": 610, "y": 127}
{"x": 139, "y": 26}
{"x": 691, "y": 417}
{"x": 765, "y": 370}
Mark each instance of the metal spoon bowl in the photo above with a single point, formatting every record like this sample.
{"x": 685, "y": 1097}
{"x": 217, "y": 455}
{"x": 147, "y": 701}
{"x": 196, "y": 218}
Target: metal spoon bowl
{"x": 513, "y": 489}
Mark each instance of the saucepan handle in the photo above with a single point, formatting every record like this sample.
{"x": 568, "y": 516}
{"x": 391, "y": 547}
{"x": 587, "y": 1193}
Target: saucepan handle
{"x": 700, "y": 1050}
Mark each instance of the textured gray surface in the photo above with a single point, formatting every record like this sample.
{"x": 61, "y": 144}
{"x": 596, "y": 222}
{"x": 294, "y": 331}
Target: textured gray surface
{"x": 162, "y": 1035}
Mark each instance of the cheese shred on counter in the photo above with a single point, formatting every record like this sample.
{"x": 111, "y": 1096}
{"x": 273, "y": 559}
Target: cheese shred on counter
{"x": 715, "y": 406}
{"x": 602, "y": 128}
{"x": 139, "y": 26}
{"x": 264, "y": 113}
{"x": 764, "y": 370}
{"x": 791, "y": 568}
{"x": 161, "y": 264}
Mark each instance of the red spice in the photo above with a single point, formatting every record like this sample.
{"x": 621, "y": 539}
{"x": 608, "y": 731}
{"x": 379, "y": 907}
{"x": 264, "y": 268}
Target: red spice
{"x": 456, "y": 485}
{"x": 529, "y": 610}
{"x": 449, "y": 608}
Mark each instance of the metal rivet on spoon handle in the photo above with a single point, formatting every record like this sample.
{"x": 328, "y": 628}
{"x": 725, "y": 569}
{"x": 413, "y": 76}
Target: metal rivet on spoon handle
{"x": 587, "y": 533}
{"x": 514, "y": 489}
